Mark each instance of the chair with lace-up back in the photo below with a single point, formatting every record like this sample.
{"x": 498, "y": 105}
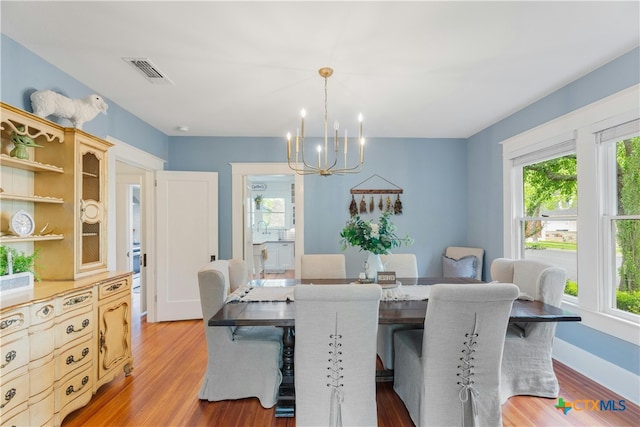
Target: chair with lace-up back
{"x": 335, "y": 359}
{"x": 449, "y": 373}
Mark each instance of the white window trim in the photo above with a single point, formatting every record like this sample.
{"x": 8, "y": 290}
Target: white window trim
{"x": 580, "y": 123}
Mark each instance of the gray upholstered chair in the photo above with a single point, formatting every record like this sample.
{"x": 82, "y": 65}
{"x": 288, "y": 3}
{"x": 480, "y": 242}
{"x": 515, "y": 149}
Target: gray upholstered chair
{"x": 448, "y": 374}
{"x": 323, "y": 266}
{"x": 335, "y": 359}
{"x": 405, "y": 265}
{"x": 457, "y": 253}
{"x": 243, "y": 361}
{"x": 527, "y": 367}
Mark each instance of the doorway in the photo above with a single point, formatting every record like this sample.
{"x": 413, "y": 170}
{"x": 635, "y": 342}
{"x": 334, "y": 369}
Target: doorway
{"x": 242, "y": 197}
{"x": 129, "y": 230}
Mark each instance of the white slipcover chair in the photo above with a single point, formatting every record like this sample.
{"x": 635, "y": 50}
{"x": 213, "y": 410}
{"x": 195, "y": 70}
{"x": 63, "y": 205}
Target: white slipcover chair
{"x": 448, "y": 374}
{"x": 323, "y": 266}
{"x": 457, "y": 252}
{"x": 335, "y": 355}
{"x": 243, "y": 361}
{"x": 405, "y": 265}
{"x": 527, "y": 366}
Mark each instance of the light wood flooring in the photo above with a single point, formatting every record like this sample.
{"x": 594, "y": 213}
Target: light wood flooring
{"x": 170, "y": 359}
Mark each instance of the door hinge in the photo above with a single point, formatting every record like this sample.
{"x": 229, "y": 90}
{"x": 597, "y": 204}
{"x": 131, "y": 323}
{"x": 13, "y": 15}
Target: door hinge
{"x": 144, "y": 260}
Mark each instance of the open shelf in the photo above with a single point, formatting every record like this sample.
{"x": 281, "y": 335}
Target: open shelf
{"x": 28, "y": 165}
{"x": 32, "y": 238}
{"x": 35, "y": 199}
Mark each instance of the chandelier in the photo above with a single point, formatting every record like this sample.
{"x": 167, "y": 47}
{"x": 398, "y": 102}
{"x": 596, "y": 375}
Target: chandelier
{"x": 302, "y": 166}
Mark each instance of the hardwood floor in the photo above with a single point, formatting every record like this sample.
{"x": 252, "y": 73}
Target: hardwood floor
{"x": 170, "y": 359}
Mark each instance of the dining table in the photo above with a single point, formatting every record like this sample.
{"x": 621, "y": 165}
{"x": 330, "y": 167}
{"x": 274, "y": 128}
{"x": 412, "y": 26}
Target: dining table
{"x": 269, "y": 302}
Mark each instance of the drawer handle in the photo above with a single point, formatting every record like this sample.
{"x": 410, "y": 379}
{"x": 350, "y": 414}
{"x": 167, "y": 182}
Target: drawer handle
{"x": 77, "y": 300}
{"x": 8, "y": 396}
{"x": 71, "y": 359}
{"x": 70, "y": 389}
{"x": 71, "y": 329}
{"x": 9, "y": 358}
{"x": 114, "y": 287}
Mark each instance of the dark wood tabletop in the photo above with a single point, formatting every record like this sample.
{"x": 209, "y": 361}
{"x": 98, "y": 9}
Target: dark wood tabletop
{"x": 391, "y": 312}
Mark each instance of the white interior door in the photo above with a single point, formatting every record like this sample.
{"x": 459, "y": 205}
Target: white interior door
{"x": 187, "y": 239}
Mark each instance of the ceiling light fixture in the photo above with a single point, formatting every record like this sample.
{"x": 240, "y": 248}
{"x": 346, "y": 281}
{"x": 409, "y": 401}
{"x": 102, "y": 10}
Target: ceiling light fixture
{"x": 324, "y": 168}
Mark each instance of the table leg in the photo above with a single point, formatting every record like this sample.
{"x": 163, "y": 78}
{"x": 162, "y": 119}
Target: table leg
{"x": 287, "y": 393}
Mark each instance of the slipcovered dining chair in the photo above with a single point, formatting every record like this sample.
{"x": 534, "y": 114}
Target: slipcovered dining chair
{"x": 242, "y": 361}
{"x": 323, "y": 266}
{"x": 404, "y": 265}
{"x": 459, "y": 261}
{"x": 527, "y": 366}
{"x": 335, "y": 359}
{"x": 448, "y": 374}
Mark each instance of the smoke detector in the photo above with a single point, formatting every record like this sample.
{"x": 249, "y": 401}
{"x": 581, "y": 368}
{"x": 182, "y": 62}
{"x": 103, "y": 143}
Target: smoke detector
{"x": 149, "y": 70}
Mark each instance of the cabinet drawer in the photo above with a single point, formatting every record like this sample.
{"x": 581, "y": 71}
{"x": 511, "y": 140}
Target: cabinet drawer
{"x": 14, "y": 352}
{"x": 72, "y": 357}
{"x": 75, "y": 301}
{"x": 69, "y": 328}
{"x": 112, "y": 288}
{"x": 41, "y": 378}
{"x": 41, "y": 343}
{"x": 41, "y": 312}
{"x": 13, "y": 321}
{"x": 21, "y": 419}
{"x": 73, "y": 387}
{"x": 13, "y": 393}
{"x": 41, "y": 411}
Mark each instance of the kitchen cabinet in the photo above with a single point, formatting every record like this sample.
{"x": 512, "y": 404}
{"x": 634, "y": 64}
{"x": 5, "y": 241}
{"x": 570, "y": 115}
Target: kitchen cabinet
{"x": 281, "y": 257}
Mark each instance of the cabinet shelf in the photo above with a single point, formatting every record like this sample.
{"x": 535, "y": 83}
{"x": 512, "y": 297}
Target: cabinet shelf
{"x": 28, "y": 165}
{"x": 32, "y": 238}
{"x": 89, "y": 174}
{"x": 35, "y": 199}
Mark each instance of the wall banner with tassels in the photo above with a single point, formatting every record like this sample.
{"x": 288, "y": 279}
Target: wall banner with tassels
{"x": 367, "y": 189}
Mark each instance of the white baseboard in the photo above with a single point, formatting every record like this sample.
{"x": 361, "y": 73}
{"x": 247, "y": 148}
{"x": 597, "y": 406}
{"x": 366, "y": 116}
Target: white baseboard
{"x": 611, "y": 376}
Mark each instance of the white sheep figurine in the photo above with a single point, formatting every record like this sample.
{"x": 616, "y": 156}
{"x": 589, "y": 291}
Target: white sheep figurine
{"x": 78, "y": 111}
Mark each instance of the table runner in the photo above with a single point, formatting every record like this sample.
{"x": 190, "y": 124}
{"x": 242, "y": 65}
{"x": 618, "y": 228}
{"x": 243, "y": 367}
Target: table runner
{"x": 264, "y": 293}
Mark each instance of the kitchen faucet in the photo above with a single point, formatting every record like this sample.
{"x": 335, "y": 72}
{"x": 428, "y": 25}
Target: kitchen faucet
{"x": 266, "y": 227}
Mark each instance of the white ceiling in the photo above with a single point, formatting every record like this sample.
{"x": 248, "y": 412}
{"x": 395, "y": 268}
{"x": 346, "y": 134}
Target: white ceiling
{"x": 414, "y": 69}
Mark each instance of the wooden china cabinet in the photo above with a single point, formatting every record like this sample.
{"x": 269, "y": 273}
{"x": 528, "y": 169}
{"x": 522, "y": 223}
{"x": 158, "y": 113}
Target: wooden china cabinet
{"x": 72, "y": 333}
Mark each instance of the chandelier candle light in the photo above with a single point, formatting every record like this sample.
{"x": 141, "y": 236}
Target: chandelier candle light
{"x": 324, "y": 169}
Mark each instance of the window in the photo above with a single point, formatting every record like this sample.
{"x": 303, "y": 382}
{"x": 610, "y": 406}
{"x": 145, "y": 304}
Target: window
{"x": 548, "y": 211}
{"x": 273, "y": 212}
{"x": 620, "y": 163}
{"x": 591, "y": 221}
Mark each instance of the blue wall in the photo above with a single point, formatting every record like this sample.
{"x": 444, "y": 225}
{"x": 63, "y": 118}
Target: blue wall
{"x": 452, "y": 188}
{"x": 23, "y": 72}
{"x": 432, "y": 173}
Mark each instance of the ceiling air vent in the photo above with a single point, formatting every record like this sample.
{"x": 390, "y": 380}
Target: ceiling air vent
{"x": 149, "y": 70}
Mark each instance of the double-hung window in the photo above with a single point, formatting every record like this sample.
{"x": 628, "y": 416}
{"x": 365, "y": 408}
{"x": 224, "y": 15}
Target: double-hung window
{"x": 619, "y": 162}
{"x": 546, "y": 207}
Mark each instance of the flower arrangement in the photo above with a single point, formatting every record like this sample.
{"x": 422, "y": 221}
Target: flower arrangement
{"x": 377, "y": 238}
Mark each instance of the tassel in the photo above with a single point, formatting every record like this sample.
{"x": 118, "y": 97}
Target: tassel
{"x": 388, "y": 204}
{"x": 397, "y": 207}
{"x": 353, "y": 207}
{"x": 363, "y": 205}
{"x": 381, "y": 204}
{"x": 372, "y": 205}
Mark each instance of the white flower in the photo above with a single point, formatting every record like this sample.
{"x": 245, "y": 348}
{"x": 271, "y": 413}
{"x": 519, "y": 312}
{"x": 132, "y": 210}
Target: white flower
{"x": 375, "y": 231}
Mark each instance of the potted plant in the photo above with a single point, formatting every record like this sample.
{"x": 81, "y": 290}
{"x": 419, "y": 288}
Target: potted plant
{"x": 258, "y": 200}
{"x": 17, "y": 269}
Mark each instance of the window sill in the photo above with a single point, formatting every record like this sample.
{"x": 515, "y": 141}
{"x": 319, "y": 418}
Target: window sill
{"x": 615, "y": 326}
